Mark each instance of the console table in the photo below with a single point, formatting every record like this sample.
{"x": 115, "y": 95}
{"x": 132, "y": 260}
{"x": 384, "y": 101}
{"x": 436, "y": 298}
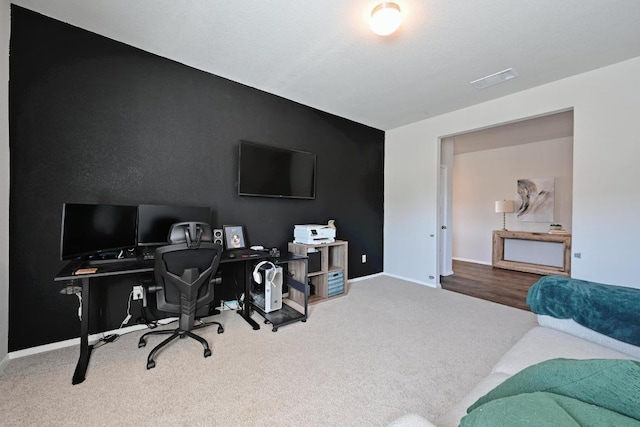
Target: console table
{"x": 499, "y": 261}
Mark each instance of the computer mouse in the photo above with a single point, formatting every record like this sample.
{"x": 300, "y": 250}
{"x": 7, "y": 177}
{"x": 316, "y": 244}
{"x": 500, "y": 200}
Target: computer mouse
{"x": 232, "y": 255}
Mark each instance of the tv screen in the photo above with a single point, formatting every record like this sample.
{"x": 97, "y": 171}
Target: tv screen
{"x": 154, "y": 221}
{"x": 93, "y": 229}
{"x": 269, "y": 171}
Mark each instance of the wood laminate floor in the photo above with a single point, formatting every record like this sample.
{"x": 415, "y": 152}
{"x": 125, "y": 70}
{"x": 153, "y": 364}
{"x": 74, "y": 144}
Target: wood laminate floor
{"x": 486, "y": 282}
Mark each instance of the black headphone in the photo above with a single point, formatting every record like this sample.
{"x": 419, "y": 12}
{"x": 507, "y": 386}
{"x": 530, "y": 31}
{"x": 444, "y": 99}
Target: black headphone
{"x": 256, "y": 272}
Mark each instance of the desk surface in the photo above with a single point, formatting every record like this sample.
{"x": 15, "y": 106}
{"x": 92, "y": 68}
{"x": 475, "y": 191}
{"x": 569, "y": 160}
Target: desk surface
{"x": 133, "y": 265}
{"x": 124, "y": 266}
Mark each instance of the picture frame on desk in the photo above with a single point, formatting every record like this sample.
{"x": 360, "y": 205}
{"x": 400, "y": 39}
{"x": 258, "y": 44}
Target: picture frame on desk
{"x": 234, "y": 237}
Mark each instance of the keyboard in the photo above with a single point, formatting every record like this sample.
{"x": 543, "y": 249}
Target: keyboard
{"x": 146, "y": 256}
{"x": 244, "y": 253}
{"x": 114, "y": 261}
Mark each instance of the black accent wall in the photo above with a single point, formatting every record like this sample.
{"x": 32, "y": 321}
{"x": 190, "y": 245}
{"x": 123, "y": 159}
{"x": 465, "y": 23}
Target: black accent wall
{"x": 93, "y": 120}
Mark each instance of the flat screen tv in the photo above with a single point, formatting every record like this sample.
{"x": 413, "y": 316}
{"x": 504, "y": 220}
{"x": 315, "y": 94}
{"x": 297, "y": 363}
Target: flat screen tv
{"x": 91, "y": 230}
{"x": 154, "y": 221}
{"x": 269, "y": 171}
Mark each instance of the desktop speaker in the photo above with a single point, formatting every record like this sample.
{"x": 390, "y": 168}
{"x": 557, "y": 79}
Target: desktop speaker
{"x": 217, "y": 235}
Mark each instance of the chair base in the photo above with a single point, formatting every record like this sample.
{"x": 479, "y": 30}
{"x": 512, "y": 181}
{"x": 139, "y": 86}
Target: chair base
{"x": 176, "y": 333}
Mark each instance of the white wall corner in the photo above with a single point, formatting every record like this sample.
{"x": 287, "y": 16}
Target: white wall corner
{"x": 5, "y": 29}
{"x": 4, "y": 362}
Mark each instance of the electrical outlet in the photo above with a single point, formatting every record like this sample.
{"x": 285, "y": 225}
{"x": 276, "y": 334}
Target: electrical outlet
{"x": 364, "y": 259}
{"x": 138, "y": 293}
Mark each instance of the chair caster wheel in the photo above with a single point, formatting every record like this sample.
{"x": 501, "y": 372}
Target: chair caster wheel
{"x": 142, "y": 343}
{"x": 151, "y": 364}
{"x": 304, "y": 320}
{"x": 274, "y": 330}
{"x": 266, "y": 322}
{"x": 207, "y": 353}
{"x": 220, "y": 329}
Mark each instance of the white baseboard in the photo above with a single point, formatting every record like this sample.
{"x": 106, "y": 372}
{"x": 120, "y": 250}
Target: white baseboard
{"x": 431, "y": 285}
{"x": 475, "y": 261}
{"x": 370, "y": 276}
{"x": 76, "y": 341}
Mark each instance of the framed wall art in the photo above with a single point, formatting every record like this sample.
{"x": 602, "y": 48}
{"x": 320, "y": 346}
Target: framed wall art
{"x": 536, "y": 199}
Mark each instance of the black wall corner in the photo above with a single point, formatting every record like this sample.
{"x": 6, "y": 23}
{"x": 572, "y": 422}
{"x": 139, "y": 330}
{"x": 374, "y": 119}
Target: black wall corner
{"x": 93, "y": 120}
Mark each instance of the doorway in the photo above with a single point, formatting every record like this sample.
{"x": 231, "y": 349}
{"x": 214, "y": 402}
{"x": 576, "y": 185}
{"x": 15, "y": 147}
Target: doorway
{"x": 499, "y": 155}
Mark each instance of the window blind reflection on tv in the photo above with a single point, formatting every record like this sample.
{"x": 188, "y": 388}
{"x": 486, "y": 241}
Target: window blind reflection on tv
{"x": 268, "y": 171}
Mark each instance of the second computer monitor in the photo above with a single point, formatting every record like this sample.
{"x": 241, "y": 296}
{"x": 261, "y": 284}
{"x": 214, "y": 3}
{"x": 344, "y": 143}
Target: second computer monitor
{"x": 154, "y": 221}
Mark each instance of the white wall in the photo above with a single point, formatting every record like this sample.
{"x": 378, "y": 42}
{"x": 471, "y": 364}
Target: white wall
{"x": 482, "y": 177}
{"x": 4, "y": 179}
{"x": 606, "y": 195}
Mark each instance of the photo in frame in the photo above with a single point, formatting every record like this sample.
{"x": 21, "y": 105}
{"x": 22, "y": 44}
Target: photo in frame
{"x": 234, "y": 237}
{"x": 536, "y": 199}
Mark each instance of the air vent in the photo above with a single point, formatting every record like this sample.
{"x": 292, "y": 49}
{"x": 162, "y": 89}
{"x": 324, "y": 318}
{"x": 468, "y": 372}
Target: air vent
{"x": 494, "y": 79}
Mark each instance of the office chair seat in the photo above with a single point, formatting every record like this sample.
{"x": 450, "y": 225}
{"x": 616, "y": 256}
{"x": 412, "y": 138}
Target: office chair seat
{"x": 185, "y": 272}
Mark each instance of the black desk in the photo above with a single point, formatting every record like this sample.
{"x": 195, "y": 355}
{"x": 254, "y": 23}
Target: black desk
{"x": 127, "y": 266}
{"x": 134, "y": 266}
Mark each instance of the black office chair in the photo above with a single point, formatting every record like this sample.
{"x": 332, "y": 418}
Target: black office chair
{"x": 185, "y": 273}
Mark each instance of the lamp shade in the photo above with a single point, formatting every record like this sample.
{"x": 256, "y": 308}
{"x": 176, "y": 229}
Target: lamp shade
{"x": 505, "y": 206}
{"x": 385, "y": 18}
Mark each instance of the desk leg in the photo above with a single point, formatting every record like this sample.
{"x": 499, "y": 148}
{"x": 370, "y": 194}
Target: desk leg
{"x": 245, "y": 311}
{"x": 85, "y": 348}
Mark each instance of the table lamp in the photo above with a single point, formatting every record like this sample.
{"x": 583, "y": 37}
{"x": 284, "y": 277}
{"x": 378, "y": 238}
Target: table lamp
{"x": 504, "y": 207}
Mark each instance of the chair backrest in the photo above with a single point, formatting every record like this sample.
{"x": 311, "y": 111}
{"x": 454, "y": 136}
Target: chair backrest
{"x": 184, "y": 270}
{"x": 191, "y": 233}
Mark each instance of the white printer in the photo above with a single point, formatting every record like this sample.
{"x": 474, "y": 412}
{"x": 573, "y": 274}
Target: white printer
{"x": 313, "y": 234}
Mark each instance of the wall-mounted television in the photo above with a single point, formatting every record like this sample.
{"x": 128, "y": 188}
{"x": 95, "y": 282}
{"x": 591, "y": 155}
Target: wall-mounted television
{"x": 90, "y": 230}
{"x": 268, "y": 171}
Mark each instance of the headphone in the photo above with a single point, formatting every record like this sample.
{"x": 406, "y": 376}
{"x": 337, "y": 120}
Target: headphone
{"x": 256, "y": 271}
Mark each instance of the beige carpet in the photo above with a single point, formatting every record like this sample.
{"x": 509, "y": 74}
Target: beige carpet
{"x": 387, "y": 348}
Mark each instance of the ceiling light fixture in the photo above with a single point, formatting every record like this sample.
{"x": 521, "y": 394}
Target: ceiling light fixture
{"x": 385, "y": 18}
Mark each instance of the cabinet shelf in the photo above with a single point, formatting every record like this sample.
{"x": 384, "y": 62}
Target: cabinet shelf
{"x": 331, "y": 280}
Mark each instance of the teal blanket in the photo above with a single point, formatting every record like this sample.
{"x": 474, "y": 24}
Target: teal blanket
{"x": 610, "y": 310}
{"x": 563, "y": 392}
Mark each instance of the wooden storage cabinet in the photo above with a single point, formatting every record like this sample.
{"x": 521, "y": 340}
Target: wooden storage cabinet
{"x": 333, "y": 265}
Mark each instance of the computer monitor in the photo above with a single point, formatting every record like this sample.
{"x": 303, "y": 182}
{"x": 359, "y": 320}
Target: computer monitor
{"x": 90, "y": 230}
{"x": 154, "y": 221}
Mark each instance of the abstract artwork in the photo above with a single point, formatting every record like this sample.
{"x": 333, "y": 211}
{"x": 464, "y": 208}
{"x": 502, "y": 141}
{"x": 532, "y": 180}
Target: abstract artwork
{"x": 535, "y": 201}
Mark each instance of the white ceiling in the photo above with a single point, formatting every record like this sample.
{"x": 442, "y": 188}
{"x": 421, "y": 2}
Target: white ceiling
{"x": 322, "y": 53}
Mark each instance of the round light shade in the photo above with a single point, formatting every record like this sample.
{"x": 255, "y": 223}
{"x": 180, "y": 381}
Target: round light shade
{"x": 385, "y": 18}
{"x": 505, "y": 206}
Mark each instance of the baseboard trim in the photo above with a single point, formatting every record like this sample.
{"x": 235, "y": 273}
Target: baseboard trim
{"x": 370, "y": 276}
{"x": 431, "y": 285}
{"x": 76, "y": 341}
{"x": 475, "y": 261}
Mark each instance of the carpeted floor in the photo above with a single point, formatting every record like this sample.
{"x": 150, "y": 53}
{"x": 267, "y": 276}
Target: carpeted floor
{"x": 387, "y": 348}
